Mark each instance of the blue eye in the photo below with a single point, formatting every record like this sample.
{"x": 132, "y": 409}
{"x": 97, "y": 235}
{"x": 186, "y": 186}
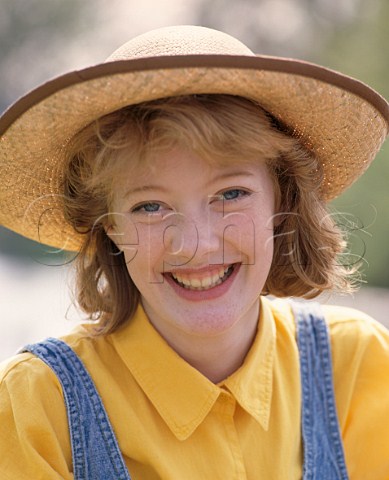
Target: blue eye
{"x": 150, "y": 207}
{"x": 234, "y": 194}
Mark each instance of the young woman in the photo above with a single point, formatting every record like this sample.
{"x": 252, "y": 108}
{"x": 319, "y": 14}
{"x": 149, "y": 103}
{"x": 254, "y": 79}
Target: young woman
{"x": 192, "y": 179}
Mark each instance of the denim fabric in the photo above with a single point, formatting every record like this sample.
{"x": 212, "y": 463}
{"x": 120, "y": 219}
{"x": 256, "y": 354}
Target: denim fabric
{"x": 323, "y": 449}
{"x": 96, "y": 454}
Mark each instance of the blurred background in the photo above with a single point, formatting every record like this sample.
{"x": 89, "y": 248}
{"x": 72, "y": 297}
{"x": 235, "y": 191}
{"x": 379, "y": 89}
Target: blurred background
{"x": 40, "y": 39}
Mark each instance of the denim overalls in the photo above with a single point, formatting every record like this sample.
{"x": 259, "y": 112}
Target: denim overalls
{"x": 96, "y": 454}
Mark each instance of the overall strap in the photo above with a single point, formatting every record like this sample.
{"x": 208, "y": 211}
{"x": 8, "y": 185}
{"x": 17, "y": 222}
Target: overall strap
{"x": 323, "y": 448}
{"x": 95, "y": 450}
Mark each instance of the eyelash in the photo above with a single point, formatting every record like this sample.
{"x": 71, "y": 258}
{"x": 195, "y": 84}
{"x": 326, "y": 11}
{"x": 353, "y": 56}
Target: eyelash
{"x": 241, "y": 194}
{"x": 141, "y": 208}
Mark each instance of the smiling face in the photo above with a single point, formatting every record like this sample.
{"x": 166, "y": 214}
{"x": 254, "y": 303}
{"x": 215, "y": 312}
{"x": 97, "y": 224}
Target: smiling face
{"x": 197, "y": 239}
{"x": 227, "y": 131}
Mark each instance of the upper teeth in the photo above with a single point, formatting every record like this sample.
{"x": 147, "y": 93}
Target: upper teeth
{"x": 205, "y": 282}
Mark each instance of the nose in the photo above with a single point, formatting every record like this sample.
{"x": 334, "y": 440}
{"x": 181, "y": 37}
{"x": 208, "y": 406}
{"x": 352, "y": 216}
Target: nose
{"x": 193, "y": 239}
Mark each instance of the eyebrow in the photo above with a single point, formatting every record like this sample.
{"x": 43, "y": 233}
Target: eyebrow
{"x": 227, "y": 175}
{"x": 146, "y": 188}
{"x": 162, "y": 189}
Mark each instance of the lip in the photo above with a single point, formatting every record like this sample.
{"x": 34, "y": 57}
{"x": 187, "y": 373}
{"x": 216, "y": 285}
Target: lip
{"x": 202, "y": 295}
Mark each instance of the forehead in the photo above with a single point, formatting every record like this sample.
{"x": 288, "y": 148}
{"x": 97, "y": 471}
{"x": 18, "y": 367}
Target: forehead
{"x": 166, "y": 162}
{"x": 179, "y": 169}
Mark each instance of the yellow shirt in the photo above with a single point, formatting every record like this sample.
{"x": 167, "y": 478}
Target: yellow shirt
{"x": 173, "y": 423}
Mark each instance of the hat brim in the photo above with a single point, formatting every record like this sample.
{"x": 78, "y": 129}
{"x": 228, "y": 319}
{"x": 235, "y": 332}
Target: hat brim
{"x": 343, "y": 121}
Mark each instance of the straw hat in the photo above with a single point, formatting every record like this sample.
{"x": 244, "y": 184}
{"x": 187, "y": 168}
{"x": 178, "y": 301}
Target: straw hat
{"x": 342, "y": 120}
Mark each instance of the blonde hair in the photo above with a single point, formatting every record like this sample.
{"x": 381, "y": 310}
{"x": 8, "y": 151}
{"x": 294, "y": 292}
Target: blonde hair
{"x": 219, "y": 128}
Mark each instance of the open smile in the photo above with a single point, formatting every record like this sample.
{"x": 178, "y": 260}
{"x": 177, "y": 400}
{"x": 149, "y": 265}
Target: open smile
{"x": 205, "y": 285}
{"x": 195, "y": 282}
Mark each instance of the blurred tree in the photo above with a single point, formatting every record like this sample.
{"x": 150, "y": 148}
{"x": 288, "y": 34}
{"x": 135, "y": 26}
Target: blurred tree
{"x": 360, "y": 50}
{"x": 31, "y": 35}
{"x": 279, "y": 27}
{"x": 30, "y": 30}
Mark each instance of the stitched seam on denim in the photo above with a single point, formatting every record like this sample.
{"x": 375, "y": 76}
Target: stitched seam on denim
{"x": 333, "y": 424}
{"x": 303, "y": 343}
{"x": 113, "y": 451}
{"x": 329, "y": 414}
{"x": 41, "y": 351}
{"x": 311, "y": 327}
{"x": 105, "y": 427}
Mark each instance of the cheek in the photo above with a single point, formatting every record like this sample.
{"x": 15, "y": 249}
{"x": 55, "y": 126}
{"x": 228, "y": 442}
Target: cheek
{"x": 145, "y": 259}
{"x": 265, "y": 240}
{"x": 250, "y": 232}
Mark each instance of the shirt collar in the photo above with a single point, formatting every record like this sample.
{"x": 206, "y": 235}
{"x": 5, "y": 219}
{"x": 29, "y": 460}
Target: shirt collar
{"x": 182, "y": 395}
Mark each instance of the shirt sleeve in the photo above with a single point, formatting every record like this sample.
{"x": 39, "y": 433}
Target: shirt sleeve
{"x": 34, "y": 438}
{"x": 360, "y": 348}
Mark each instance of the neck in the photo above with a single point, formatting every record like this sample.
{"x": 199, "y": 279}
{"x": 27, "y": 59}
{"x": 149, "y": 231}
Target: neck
{"x": 216, "y": 356}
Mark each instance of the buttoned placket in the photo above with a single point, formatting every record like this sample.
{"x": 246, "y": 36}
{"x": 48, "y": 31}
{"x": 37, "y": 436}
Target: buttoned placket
{"x": 225, "y": 407}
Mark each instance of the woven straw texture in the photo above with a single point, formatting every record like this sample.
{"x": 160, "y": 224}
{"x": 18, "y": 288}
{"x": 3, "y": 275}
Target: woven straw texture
{"x": 343, "y": 128}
